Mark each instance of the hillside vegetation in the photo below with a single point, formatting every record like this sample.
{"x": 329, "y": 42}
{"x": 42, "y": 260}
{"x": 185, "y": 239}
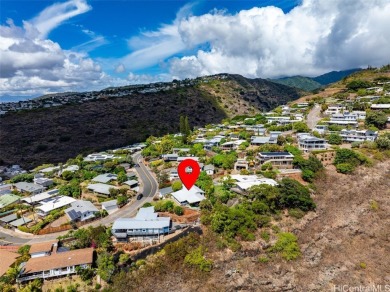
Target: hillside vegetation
{"x": 34, "y": 137}
{"x": 313, "y": 83}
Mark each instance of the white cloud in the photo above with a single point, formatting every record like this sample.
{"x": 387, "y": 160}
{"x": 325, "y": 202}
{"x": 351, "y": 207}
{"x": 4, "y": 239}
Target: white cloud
{"x": 120, "y": 68}
{"x": 153, "y": 47}
{"x": 30, "y": 65}
{"x": 54, "y": 15}
{"x": 311, "y": 39}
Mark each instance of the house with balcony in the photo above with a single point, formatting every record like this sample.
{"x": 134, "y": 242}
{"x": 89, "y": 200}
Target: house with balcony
{"x": 307, "y": 142}
{"x": 279, "y": 160}
{"x": 146, "y": 224}
{"x": 241, "y": 163}
{"x": 57, "y": 264}
{"x": 358, "y": 135}
{"x": 334, "y": 109}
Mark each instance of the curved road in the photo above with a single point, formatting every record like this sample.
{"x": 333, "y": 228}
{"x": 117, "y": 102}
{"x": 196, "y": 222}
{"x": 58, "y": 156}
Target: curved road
{"x": 148, "y": 188}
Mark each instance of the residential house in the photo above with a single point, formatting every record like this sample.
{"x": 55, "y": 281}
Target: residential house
{"x": 145, "y": 224}
{"x": 345, "y": 118}
{"x": 308, "y": 142}
{"x": 209, "y": 169}
{"x": 105, "y": 178}
{"x": 35, "y": 199}
{"x": 8, "y": 258}
{"x": 214, "y": 142}
{"x": 99, "y": 157}
{"x": 9, "y": 218}
{"x": 43, "y": 181}
{"x": 43, "y": 249}
{"x": 279, "y": 160}
{"x": 241, "y": 163}
{"x": 257, "y": 141}
{"x": 173, "y": 174}
{"x": 164, "y": 191}
{"x": 19, "y": 222}
{"x": 181, "y": 158}
{"x": 110, "y": 206}
{"x": 245, "y": 182}
{"x": 26, "y": 187}
{"x": 180, "y": 150}
{"x": 383, "y": 106}
{"x": 56, "y": 265}
{"x": 131, "y": 183}
{"x": 53, "y": 203}
{"x": 358, "y": 135}
{"x": 170, "y": 157}
{"x": 232, "y": 145}
{"x": 99, "y": 188}
{"x": 81, "y": 210}
{"x": 321, "y": 129}
{"x": 334, "y": 109}
{"x": 191, "y": 197}
{"x": 8, "y": 199}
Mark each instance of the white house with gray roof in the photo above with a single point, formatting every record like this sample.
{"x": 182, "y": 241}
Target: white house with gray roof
{"x": 145, "y": 224}
{"x": 110, "y": 206}
{"x": 307, "y": 142}
{"x": 100, "y": 188}
{"x": 81, "y": 210}
{"x": 192, "y": 196}
{"x": 105, "y": 178}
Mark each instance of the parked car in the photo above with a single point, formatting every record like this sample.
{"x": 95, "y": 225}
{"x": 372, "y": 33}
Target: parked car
{"x": 140, "y": 196}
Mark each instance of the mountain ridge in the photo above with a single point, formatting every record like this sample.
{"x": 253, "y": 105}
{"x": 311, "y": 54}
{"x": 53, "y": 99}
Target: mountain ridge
{"x": 313, "y": 83}
{"x": 54, "y": 134}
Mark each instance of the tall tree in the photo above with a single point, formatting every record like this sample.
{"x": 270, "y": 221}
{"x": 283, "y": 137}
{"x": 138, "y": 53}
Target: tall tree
{"x": 182, "y": 126}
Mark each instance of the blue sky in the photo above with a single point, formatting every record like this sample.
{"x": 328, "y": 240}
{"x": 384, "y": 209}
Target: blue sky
{"x": 54, "y": 46}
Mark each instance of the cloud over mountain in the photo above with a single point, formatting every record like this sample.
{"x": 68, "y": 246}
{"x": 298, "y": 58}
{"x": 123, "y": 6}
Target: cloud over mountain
{"x": 314, "y": 37}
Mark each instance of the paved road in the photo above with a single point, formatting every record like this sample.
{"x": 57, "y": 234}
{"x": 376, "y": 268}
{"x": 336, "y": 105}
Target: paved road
{"x": 149, "y": 188}
{"x": 314, "y": 116}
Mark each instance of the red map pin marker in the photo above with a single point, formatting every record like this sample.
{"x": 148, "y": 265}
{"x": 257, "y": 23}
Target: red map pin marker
{"x": 188, "y": 177}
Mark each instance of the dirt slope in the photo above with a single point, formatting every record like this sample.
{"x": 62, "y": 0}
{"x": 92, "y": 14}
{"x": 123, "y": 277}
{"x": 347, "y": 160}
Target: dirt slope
{"x": 346, "y": 242}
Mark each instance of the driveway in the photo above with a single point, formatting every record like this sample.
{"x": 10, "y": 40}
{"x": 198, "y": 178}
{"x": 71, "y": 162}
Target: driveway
{"x": 314, "y": 116}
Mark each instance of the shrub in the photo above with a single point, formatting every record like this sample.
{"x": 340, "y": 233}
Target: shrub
{"x": 377, "y": 119}
{"x": 383, "y": 142}
{"x": 178, "y": 210}
{"x": 295, "y": 195}
{"x": 287, "y": 246}
{"x": 296, "y": 213}
{"x": 335, "y": 139}
{"x": 177, "y": 185}
{"x": 345, "y": 168}
{"x": 308, "y": 175}
{"x": 263, "y": 259}
{"x": 196, "y": 259}
{"x": 265, "y": 235}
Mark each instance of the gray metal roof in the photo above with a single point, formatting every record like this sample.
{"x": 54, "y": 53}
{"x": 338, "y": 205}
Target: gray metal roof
{"x": 9, "y": 218}
{"x": 78, "y": 208}
{"x": 21, "y": 221}
{"x": 101, "y": 188}
{"x": 28, "y": 187}
{"x": 165, "y": 191}
{"x": 108, "y": 204}
{"x": 105, "y": 178}
{"x": 132, "y": 223}
{"x": 131, "y": 182}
